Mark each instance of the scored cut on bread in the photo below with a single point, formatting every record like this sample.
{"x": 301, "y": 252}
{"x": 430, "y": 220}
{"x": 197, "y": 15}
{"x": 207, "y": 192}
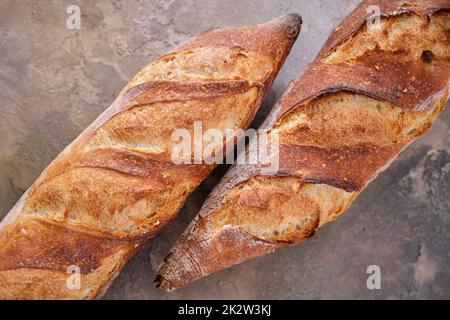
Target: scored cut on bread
{"x": 371, "y": 91}
{"x": 116, "y": 186}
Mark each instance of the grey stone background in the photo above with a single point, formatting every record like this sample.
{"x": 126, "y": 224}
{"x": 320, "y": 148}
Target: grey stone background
{"x": 55, "y": 81}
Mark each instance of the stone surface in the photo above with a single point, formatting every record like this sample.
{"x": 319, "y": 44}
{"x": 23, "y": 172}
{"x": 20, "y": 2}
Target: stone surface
{"x": 55, "y": 81}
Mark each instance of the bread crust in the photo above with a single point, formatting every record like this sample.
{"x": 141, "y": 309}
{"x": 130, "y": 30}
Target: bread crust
{"x": 115, "y": 186}
{"x": 368, "y": 94}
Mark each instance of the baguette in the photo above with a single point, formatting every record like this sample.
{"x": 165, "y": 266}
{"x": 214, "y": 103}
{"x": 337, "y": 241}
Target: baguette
{"x": 368, "y": 94}
{"x": 115, "y": 186}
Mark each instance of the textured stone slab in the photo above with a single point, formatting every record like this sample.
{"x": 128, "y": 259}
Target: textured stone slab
{"x": 55, "y": 81}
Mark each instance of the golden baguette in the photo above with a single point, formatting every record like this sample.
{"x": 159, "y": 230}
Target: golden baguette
{"x": 115, "y": 186}
{"x": 371, "y": 91}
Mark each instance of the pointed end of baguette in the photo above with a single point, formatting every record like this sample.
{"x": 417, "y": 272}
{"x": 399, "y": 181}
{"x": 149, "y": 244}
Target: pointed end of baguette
{"x": 291, "y": 23}
{"x": 178, "y": 268}
{"x": 195, "y": 257}
{"x": 274, "y": 38}
{"x": 162, "y": 284}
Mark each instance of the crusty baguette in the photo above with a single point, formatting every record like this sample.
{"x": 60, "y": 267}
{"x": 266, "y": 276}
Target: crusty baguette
{"x": 368, "y": 94}
{"x": 116, "y": 186}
